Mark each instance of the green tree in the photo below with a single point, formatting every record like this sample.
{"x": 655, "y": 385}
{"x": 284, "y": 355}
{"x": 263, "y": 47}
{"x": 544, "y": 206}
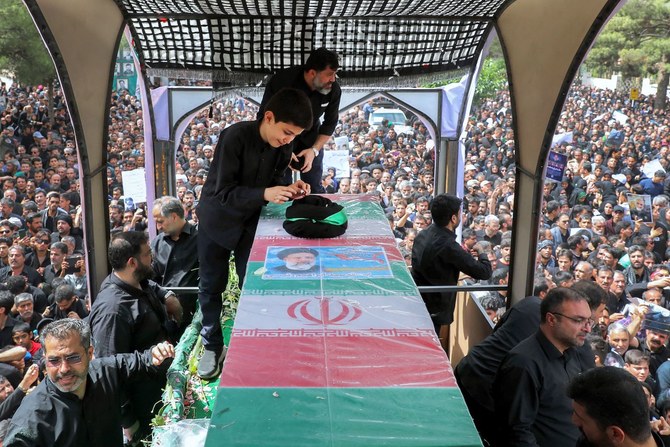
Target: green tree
{"x": 22, "y": 52}
{"x": 636, "y": 42}
{"x": 492, "y": 79}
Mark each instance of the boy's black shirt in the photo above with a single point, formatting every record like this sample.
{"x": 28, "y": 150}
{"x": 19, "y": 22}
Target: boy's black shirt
{"x": 242, "y": 167}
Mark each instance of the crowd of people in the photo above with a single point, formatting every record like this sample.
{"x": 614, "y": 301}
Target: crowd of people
{"x": 588, "y": 230}
{"x": 604, "y": 224}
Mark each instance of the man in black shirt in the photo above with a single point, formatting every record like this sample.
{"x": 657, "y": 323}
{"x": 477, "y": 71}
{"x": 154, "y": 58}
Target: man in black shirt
{"x": 57, "y": 255}
{"x": 476, "y": 371}
{"x": 6, "y": 321}
{"x": 78, "y": 403}
{"x": 655, "y": 345}
{"x": 66, "y": 304}
{"x": 317, "y": 80}
{"x": 132, "y": 313}
{"x": 175, "y": 250}
{"x": 610, "y": 408}
{"x": 17, "y": 267}
{"x": 530, "y": 386}
{"x": 250, "y": 159}
{"x": 438, "y": 259}
{"x": 24, "y": 304}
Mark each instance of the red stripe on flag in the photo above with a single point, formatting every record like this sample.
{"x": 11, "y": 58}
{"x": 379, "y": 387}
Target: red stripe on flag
{"x": 336, "y": 362}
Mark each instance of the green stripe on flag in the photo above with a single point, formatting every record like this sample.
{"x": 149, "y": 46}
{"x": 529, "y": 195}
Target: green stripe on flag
{"x": 341, "y": 417}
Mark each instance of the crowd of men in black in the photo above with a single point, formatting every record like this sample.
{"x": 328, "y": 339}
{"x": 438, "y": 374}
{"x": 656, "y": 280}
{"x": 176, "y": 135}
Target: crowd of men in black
{"x": 592, "y": 233}
{"x": 588, "y": 232}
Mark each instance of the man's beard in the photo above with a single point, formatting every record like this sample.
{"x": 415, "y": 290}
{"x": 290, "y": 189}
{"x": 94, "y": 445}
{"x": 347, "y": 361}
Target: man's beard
{"x": 80, "y": 378}
{"x": 321, "y": 88}
{"x": 302, "y": 266}
{"x": 143, "y": 272}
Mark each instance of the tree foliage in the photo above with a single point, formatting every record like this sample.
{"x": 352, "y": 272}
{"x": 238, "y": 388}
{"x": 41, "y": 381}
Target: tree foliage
{"x": 22, "y": 52}
{"x": 636, "y": 42}
{"x": 492, "y": 79}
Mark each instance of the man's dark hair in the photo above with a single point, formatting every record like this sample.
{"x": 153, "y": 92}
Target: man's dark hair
{"x": 635, "y": 357}
{"x": 21, "y": 327}
{"x": 635, "y": 248}
{"x": 6, "y": 240}
{"x": 33, "y": 216}
{"x": 561, "y": 276}
{"x": 613, "y": 397}
{"x": 467, "y": 233}
{"x": 16, "y": 284}
{"x": 64, "y": 292}
{"x": 621, "y": 225}
{"x": 30, "y": 207}
{"x": 6, "y": 300}
{"x": 70, "y": 196}
{"x": 291, "y": 106}
{"x": 561, "y": 215}
{"x": 124, "y": 246}
{"x": 498, "y": 275}
{"x": 598, "y": 346}
{"x": 593, "y": 293}
{"x": 605, "y": 247}
{"x": 320, "y": 59}
{"x": 540, "y": 284}
{"x": 490, "y": 302}
{"x": 444, "y": 207}
{"x": 574, "y": 240}
{"x": 555, "y": 298}
{"x": 552, "y": 206}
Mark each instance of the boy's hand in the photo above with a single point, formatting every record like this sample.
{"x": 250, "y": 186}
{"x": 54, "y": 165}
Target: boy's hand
{"x": 302, "y": 188}
{"x": 280, "y": 194}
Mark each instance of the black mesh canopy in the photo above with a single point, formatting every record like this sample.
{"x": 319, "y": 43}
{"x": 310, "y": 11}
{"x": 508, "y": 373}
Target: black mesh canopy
{"x": 373, "y": 38}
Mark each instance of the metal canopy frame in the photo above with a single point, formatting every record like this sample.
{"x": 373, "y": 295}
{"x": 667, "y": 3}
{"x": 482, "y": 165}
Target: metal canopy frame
{"x": 240, "y": 42}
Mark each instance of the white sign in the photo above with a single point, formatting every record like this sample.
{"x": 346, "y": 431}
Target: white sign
{"x": 561, "y": 138}
{"x": 620, "y": 117}
{"x": 342, "y": 143}
{"x": 135, "y": 185}
{"x": 650, "y": 167}
{"x": 337, "y": 159}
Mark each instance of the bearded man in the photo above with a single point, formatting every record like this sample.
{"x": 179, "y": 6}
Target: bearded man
{"x": 132, "y": 313}
{"x": 298, "y": 260}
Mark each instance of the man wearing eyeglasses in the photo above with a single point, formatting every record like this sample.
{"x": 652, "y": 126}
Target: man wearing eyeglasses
{"x": 78, "y": 403}
{"x": 5, "y": 243}
{"x": 38, "y": 258}
{"x": 529, "y": 388}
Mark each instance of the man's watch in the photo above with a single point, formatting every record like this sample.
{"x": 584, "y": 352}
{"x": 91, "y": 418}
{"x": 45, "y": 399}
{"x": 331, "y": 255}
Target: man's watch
{"x": 316, "y": 152}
